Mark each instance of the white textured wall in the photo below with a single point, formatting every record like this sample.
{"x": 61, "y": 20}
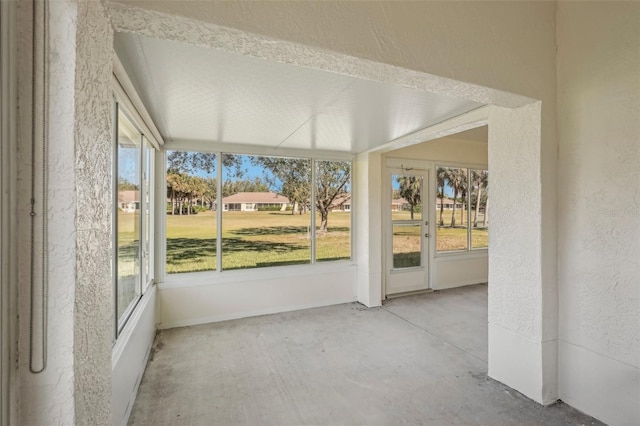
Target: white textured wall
{"x": 198, "y": 298}
{"x": 599, "y": 211}
{"x": 48, "y": 398}
{"x": 130, "y": 356}
{"x": 502, "y": 45}
{"x": 93, "y": 147}
{"x": 518, "y": 288}
{"x": 75, "y": 388}
{"x": 368, "y": 227}
{"x": 446, "y": 150}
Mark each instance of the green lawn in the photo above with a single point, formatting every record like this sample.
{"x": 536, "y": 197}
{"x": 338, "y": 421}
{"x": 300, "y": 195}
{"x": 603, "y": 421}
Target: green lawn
{"x": 252, "y": 239}
{"x": 258, "y": 239}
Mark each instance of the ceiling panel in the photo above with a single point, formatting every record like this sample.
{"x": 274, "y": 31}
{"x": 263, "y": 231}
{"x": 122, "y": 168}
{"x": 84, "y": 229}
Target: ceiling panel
{"x": 203, "y": 94}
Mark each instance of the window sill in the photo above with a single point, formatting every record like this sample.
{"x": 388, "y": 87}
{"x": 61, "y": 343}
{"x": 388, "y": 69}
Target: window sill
{"x": 207, "y": 278}
{"x": 466, "y": 254}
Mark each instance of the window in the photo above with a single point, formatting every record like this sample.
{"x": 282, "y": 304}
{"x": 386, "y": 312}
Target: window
{"x": 191, "y": 225}
{"x": 134, "y": 220}
{"x": 406, "y": 220}
{"x": 267, "y": 215}
{"x": 461, "y": 209}
{"x": 333, "y": 196}
{"x": 277, "y": 232}
{"x": 479, "y": 209}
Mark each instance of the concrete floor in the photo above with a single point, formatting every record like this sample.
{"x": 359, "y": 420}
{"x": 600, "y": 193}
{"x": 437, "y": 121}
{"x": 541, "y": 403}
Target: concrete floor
{"x": 417, "y": 360}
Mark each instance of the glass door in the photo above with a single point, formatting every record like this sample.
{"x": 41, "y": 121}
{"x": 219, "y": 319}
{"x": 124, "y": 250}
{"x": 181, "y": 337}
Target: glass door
{"x": 407, "y": 230}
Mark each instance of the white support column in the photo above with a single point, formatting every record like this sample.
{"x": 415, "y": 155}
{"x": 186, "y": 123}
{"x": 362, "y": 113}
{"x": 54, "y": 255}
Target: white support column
{"x": 368, "y": 227}
{"x": 522, "y": 333}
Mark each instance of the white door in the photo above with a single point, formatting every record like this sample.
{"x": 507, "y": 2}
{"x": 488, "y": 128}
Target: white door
{"x": 407, "y": 228}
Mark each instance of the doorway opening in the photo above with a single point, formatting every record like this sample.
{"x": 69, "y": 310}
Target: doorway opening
{"x": 436, "y": 220}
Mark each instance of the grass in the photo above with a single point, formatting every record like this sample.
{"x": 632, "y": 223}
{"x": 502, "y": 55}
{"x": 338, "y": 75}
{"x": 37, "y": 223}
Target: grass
{"x": 252, "y": 239}
{"x": 258, "y": 239}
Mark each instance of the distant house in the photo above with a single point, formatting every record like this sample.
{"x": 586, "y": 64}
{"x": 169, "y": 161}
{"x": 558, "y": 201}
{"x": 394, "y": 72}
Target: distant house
{"x": 254, "y": 201}
{"x": 399, "y": 204}
{"x": 341, "y": 204}
{"x": 447, "y": 204}
{"x": 129, "y": 200}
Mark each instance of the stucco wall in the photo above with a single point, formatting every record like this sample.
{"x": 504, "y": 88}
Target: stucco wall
{"x": 503, "y": 45}
{"x": 48, "y": 397}
{"x": 599, "y": 216}
{"x": 75, "y": 388}
{"x": 93, "y": 308}
{"x": 449, "y": 149}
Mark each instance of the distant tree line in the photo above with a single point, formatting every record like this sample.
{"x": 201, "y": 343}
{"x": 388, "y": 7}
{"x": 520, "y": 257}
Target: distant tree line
{"x": 290, "y": 177}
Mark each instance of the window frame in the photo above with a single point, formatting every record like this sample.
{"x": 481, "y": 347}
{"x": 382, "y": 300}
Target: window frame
{"x": 148, "y": 146}
{"x": 221, "y": 149}
{"x": 469, "y": 250}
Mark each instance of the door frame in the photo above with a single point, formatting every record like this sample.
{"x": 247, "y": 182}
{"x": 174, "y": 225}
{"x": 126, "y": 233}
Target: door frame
{"x": 424, "y": 168}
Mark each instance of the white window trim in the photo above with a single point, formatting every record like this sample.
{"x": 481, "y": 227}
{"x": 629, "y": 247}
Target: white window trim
{"x": 481, "y": 251}
{"x": 214, "y": 277}
{"x": 126, "y": 97}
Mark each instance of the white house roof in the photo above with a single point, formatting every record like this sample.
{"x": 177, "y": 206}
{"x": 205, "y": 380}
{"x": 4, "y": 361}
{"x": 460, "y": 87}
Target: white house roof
{"x": 445, "y": 200}
{"x": 128, "y": 196}
{"x": 256, "y": 197}
{"x": 399, "y": 201}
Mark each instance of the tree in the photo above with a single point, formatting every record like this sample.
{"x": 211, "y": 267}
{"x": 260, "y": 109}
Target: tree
{"x": 441, "y": 177}
{"x": 457, "y": 180}
{"x": 332, "y": 183}
{"x": 125, "y": 185}
{"x": 200, "y": 162}
{"x": 480, "y": 181}
{"x": 410, "y": 187}
{"x": 292, "y": 178}
{"x": 289, "y": 176}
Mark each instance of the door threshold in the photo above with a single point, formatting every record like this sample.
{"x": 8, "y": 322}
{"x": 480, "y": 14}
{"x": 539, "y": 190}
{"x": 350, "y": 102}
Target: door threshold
{"x": 408, "y": 293}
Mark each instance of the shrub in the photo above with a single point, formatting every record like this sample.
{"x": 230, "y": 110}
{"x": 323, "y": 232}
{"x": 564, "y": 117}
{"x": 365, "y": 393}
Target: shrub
{"x": 269, "y": 208}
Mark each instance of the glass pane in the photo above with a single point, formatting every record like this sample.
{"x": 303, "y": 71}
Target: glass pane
{"x": 480, "y": 209}
{"x": 128, "y": 221}
{"x": 406, "y": 197}
{"x": 407, "y": 247}
{"x": 191, "y": 215}
{"x": 333, "y": 210}
{"x": 451, "y": 209}
{"x": 148, "y": 205}
{"x": 266, "y": 211}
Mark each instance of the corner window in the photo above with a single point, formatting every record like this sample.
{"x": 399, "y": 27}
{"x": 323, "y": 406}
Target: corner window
{"x": 461, "y": 209}
{"x": 133, "y": 216}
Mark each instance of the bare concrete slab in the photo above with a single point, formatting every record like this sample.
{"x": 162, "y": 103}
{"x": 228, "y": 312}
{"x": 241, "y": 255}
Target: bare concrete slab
{"x": 458, "y": 316}
{"x": 339, "y": 365}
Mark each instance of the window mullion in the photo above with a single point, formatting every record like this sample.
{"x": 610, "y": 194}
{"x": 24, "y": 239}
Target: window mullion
{"x": 313, "y": 211}
{"x": 141, "y": 219}
{"x": 219, "y": 211}
{"x": 469, "y": 188}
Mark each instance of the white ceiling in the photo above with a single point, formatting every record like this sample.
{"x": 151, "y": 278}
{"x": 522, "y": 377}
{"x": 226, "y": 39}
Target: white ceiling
{"x": 195, "y": 93}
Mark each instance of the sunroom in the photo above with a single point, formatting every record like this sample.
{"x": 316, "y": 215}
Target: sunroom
{"x": 198, "y": 125}
{"x": 419, "y": 147}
